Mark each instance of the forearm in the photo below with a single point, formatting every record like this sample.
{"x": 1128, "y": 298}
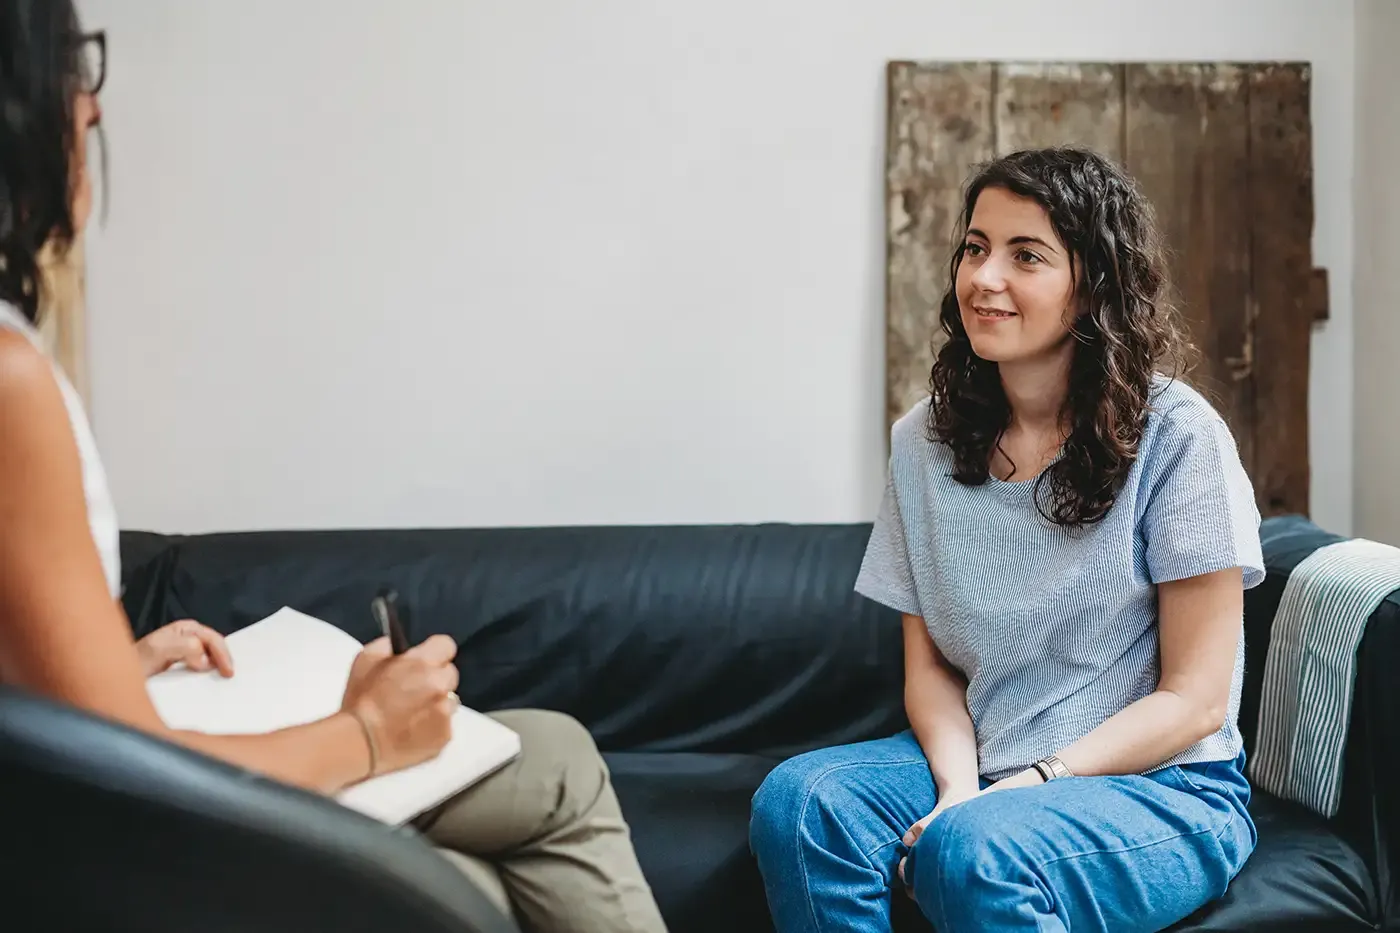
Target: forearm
{"x": 1199, "y": 632}
{"x": 1141, "y": 736}
{"x": 108, "y": 682}
{"x": 323, "y": 756}
{"x": 935, "y": 699}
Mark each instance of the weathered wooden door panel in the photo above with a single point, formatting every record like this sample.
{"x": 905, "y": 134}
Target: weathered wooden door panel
{"x": 1187, "y": 131}
{"x": 1060, "y": 104}
{"x": 1281, "y": 211}
{"x": 1224, "y": 152}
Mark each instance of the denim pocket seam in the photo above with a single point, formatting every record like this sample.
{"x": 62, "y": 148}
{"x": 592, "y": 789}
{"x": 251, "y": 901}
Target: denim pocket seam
{"x": 1187, "y": 784}
{"x": 1185, "y": 777}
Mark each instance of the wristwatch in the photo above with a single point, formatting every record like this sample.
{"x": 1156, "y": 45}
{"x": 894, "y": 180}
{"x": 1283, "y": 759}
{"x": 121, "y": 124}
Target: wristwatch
{"x": 1051, "y": 767}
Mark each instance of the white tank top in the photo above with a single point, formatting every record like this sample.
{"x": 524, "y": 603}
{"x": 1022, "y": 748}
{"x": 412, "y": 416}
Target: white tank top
{"x": 102, "y": 514}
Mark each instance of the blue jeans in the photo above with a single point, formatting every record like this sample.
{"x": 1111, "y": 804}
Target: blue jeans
{"x": 1129, "y": 854}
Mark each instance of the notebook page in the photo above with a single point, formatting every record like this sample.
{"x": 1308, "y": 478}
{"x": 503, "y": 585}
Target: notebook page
{"x": 290, "y": 669}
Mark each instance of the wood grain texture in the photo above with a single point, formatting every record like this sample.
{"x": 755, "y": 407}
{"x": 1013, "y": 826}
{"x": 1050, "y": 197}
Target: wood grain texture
{"x": 1059, "y": 104}
{"x": 1281, "y": 212}
{"x": 1187, "y": 132}
{"x": 940, "y": 126}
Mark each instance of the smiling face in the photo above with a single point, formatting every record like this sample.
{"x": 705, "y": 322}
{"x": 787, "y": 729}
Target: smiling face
{"x": 1015, "y": 283}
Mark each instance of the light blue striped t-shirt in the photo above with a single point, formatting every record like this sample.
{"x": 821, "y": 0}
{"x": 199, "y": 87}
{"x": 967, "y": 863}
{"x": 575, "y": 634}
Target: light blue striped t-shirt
{"x": 1056, "y": 629}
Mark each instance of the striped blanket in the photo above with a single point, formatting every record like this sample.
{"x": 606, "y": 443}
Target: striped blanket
{"x": 1305, "y": 707}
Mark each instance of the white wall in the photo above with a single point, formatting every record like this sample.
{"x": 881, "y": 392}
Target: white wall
{"x": 1377, "y": 297}
{"x": 466, "y": 262}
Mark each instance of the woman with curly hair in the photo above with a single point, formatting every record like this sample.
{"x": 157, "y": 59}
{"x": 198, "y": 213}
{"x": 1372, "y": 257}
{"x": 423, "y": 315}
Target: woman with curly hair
{"x": 1068, "y": 532}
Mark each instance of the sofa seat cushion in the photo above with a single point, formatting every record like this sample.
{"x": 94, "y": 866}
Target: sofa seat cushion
{"x": 1302, "y": 876}
{"x": 689, "y": 816}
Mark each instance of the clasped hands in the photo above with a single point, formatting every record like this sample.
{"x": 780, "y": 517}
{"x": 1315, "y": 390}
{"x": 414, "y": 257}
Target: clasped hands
{"x": 1027, "y": 778}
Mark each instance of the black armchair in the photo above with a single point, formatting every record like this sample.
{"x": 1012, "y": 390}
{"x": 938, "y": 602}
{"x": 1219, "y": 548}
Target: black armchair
{"x": 103, "y": 827}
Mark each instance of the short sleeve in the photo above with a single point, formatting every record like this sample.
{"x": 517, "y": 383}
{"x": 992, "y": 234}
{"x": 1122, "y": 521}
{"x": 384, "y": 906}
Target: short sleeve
{"x": 1200, "y": 515}
{"x": 885, "y": 573}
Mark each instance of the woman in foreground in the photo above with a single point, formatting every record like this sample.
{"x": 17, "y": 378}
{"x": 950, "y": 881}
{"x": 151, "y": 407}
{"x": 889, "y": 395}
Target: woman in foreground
{"x": 1068, "y": 534}
{"x": 544, "y": 837}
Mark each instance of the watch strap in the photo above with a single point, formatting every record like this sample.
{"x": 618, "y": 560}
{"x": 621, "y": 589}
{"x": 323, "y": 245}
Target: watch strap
{"x": 1052, "y": 768}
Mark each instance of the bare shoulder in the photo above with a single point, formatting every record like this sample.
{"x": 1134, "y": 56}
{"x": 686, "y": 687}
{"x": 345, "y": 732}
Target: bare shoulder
{"x": 61, "y": 632}
{"x": 40, "y": 469}
{"x": 33, "y": 415}
{"x": 19, "y": 357}
{"x": 26, "y": 375}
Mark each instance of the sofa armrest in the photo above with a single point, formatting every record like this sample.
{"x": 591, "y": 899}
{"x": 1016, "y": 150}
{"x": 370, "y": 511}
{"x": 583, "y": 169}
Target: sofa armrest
{"x": 1369, "y": 815}
{"x": 1371, "y": 783}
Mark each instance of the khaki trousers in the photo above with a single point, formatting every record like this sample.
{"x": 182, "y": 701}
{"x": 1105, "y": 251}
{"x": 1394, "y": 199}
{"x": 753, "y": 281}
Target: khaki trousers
{"x": 544, "y": 837}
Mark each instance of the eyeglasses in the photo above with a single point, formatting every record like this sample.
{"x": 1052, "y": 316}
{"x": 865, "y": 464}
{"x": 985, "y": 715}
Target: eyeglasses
{"x": 92, "y": 57}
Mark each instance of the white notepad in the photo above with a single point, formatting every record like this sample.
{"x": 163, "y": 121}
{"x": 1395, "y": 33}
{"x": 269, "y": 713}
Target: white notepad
{"x": 290, "y": 669}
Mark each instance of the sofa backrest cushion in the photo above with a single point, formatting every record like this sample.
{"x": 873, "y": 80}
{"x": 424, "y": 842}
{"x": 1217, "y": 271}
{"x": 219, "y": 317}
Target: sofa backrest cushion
{"x": 692, "y": 638}
{"x": 739, "y": 638}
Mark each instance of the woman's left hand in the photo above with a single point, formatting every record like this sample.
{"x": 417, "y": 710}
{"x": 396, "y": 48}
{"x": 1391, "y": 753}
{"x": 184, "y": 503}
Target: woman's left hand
{"x": 199, "y": 646}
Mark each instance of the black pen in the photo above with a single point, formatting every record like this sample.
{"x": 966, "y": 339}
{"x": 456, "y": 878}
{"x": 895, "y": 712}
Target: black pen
{"x": 386, "y": 612}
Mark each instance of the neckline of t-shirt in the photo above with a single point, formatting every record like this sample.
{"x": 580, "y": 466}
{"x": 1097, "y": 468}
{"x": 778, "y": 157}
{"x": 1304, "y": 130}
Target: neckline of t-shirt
{"x": 1029, "y": 484}
{"x": 1013, "y": 489}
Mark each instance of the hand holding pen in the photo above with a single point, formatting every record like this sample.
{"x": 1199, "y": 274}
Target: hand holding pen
{"x": 386, "y": 612}
{"x": 402, "y": 696}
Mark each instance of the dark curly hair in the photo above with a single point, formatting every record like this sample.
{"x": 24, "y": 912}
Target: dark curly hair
{"x": 42, "y": 67}
{"x": 1128, "y": 332}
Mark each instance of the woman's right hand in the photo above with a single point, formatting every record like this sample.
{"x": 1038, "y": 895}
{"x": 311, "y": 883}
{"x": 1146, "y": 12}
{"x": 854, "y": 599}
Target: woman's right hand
{"x": 951, "y": 799}
{"x": 945, "y": 801}
{"x": 404, "y": 701}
